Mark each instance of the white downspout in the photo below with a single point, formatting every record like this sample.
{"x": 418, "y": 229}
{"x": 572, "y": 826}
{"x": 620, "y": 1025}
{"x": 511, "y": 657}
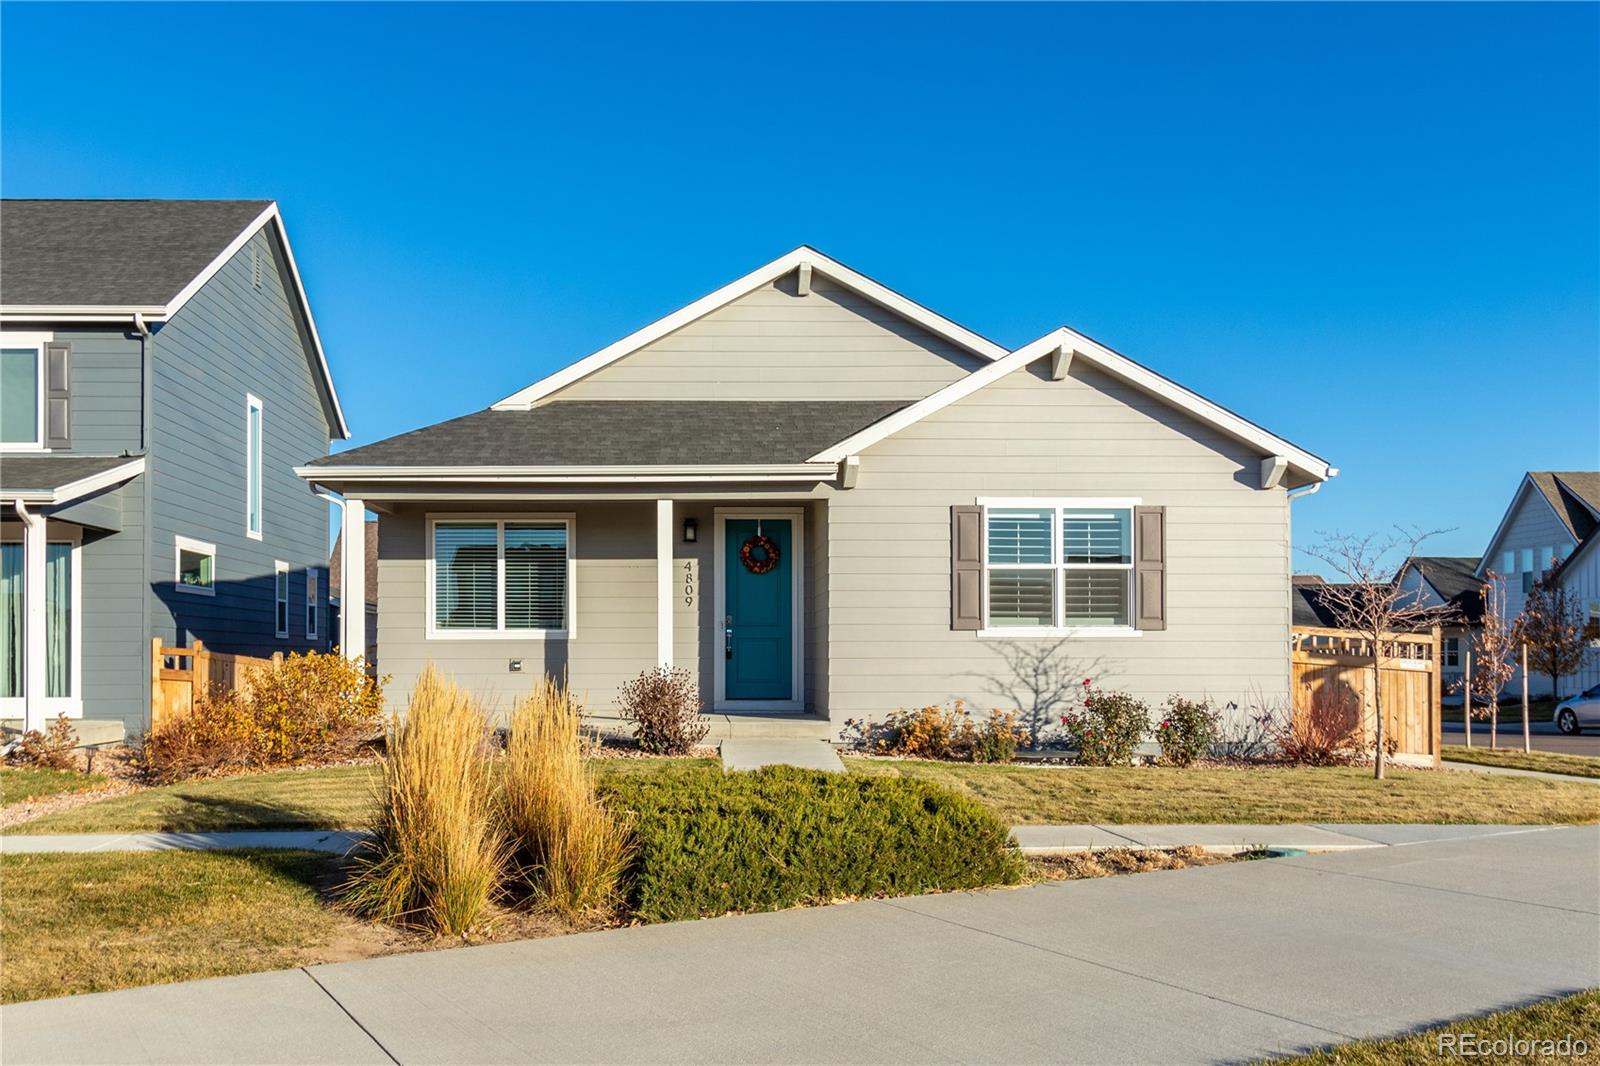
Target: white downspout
{"x": 33, "y": 578}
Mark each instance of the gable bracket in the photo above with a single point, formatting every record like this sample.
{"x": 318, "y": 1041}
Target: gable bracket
{"x": 1272, "y": 469}
{"x": 1061, "y": 362}
{"x": 849, "y": 471}
{"x": 803, "y": 284}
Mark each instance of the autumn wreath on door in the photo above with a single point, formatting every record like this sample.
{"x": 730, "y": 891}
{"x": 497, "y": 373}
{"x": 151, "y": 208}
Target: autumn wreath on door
{"x": 761, "y": 563}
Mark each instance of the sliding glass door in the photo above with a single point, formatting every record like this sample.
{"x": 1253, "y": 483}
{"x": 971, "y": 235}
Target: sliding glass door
{"x": 60, "y": 628}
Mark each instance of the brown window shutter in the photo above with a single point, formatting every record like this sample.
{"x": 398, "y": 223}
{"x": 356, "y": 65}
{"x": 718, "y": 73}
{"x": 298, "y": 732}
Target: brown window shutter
{"x": 58, "y": 395}
{"x": 966, "y": 568}
{"x": 1150, "y": 567}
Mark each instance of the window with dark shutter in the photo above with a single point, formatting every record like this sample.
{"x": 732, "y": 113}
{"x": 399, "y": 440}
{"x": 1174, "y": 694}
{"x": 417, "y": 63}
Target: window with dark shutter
{"x": 1150, "y": 568}
{"x": 966, "y": 568}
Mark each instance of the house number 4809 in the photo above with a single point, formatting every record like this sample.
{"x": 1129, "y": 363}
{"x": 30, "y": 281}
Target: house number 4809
{"x": 688, "y": 582}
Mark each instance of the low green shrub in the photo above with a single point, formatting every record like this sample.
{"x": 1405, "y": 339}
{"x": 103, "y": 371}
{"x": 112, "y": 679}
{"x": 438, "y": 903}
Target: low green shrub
{"x": 709, "y": 842}
{"x": 1187, "y": 730}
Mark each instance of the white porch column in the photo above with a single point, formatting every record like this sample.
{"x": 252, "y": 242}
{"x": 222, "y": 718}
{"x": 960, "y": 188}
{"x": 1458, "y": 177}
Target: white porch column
{"x": 353, "y": 580}
{"x": 664, "y": 583}
{"x": 33, "y": 623}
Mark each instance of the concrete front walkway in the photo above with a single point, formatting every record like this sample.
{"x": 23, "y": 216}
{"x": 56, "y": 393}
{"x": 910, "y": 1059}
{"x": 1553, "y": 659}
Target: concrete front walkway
{"x": 1217, "y": 963}
{"x": 1510, "y": 771}
{"x": 337, "y": 842}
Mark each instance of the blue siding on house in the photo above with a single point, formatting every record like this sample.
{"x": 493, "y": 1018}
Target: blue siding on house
{"x": 232, "y": 339}
{"x": 115, "y": 649}
{"x": 106, "y": 384}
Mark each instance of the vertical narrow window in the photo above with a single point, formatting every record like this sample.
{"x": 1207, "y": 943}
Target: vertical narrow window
{"x": 311, "y": 603}
{"x": 252, "y": 463}
{"x": 1508, "y": 564}
{"x": 21, "y": 397}
{"x": 11, "y": 620}
{"x": 281, "y": 591}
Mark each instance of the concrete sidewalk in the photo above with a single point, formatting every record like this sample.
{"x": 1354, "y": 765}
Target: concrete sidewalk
{"x": 1032, "y": 839}
{"x": 1511, "y": 771}
{"x": 1217, "y": 963}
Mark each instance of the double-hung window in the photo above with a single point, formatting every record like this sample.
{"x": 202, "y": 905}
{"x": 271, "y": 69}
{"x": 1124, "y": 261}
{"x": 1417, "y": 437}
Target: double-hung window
{"x": 22, "y": 391}
{"x": 1059, "y": 564}
{"x": 252, "y": 466}
{"x": 500, "y": 576}
{"x": 311, "y": 603}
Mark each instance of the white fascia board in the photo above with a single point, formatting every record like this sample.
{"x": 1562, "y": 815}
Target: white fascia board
{"x": 820, "y": 264}
{"x": 1113, "y": 363}
{"x": 164, "y": 312}
{"x": 576, "y": 474}
{"x": 85, "y": 486}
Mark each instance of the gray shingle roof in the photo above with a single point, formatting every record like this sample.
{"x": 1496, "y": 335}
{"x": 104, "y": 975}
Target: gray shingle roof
{"x": 628, "y": 433}
{"x": 112, "y": 252}
{"x": 24, "y": 474}
{"x": 1568, "y": 492}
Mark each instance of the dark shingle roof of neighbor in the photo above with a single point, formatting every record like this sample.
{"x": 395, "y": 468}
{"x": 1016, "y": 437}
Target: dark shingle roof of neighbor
{"x": 628, "y": 433}
{"x": 1307, "y": 608}
{"x": 1568, "y": 492}
{"x": 112, "y": 252}
{"x": 45, "y": 473}
{"x": 1455, "y": 578}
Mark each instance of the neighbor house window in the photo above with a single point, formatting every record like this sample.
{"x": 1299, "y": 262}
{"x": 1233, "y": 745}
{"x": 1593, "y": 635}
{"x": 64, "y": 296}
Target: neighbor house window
{"x": 1508, "y": 564}
{"x": 1452, "y": 651}
{"x": 252, "y": 466}
{"x": 196, "y": 565}
{"x": 311, "y": 604}
{"x": 1059, "y": 564}
{"x": 280, "y": 583}
{"x": 1527, "y": 570}
{"x": 59, "y": 628}
{"x": 492, "y": 575}
{"x": 21, "y": 393}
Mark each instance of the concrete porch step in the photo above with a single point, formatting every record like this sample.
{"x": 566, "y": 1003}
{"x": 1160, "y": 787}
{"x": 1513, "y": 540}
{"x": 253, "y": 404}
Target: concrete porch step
{"x": 727, "y": 726}
{"x": 91, "y": 732}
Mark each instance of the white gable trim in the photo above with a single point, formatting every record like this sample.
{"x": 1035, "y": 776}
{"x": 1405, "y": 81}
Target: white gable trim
{"x": 163, "y": 313}
{"x": 1113, "y": 363}
{"x": 803, "y": 256}
{"x": 1526, "y": 486}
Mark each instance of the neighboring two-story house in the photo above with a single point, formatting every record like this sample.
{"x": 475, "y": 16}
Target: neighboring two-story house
{"x": 1449, "y": 584}
{"x": 1554, "y": 515}
{"x": 161, "y": 375}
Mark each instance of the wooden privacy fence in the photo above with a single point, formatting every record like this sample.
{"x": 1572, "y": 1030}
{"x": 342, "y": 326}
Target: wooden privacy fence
{"x": 1331, "y": 672}
{"x": 173, "y": 688}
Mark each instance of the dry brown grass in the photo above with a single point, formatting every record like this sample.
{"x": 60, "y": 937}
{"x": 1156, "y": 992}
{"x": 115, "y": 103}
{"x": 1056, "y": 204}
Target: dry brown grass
{"x": 571, "y": 849}
{"x": 1112, "y": 861}
{"x": 438, "y": 856}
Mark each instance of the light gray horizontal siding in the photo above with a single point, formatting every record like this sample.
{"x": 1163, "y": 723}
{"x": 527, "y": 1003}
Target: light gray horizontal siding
{"x": 773, "y": 345}
{"x": 890, "y": 642}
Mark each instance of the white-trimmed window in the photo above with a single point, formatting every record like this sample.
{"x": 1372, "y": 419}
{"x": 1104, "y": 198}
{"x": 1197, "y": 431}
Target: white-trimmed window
{"x": 63, "y": 621}
{"x": 1059, "y": 564}
{"x": 280, "y": 587}
{"x": 253, "y": 429}
{"x": 22, "y": 388}
{"x": 1452, "y": 652}
{"x": 311, "y": 603}
{"x": 500, "y": 576}
{"x": 194, "y": 565}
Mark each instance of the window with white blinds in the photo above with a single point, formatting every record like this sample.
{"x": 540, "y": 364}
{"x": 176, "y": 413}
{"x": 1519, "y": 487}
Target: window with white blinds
{"x": 1059, "y": 564}
{"x": 501, "y": 576}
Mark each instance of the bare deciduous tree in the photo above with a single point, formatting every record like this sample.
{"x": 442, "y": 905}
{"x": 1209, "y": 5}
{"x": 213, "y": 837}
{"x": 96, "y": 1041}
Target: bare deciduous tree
{"x": 1494, "y": 654}
{"x": 1552, "y": 626}
{"x": 1371, "y": 602}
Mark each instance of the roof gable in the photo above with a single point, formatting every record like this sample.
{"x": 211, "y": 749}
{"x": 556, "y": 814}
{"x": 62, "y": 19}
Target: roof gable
{"x": 1066, "y": 345}
{"x": 122, "y": 260}
{"x": 803, "y": 261}
{"x": 1573, "y": 497}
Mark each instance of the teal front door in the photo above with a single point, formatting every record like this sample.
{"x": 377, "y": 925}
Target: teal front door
{"x": 758, "y": 630}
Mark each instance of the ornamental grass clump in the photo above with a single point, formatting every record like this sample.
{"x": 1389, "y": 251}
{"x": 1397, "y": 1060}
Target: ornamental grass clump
{"x": 437, "y": 856}
{"x": 569, "y": 850}
{"x": 1110, "y": 727}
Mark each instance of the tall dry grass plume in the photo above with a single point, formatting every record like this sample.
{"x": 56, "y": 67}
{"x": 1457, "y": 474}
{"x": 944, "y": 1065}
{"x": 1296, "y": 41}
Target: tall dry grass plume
{"x": 572, "y": 850}
{"x": 439, "y": 855}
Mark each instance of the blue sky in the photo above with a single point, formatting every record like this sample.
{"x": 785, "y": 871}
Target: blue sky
{"x": 1374, "y": 229}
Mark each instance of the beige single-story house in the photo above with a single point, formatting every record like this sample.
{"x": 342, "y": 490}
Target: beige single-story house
{"x": 828, "y": 502}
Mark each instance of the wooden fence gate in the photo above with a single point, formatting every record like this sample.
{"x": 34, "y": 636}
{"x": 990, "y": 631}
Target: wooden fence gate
{"x": 1332, "y": 668}
{"x": 173, "y": 688}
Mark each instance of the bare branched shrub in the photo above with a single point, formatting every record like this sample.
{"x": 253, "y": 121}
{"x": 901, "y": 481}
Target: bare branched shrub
{"x": 940, "y": 731}
{"x": 1326, "y": 733}
{"x": 50, "y": 750}
{"x": 437, "y": 856}
{"x": 665, "y": 709}
{"x": 570, "y": 850}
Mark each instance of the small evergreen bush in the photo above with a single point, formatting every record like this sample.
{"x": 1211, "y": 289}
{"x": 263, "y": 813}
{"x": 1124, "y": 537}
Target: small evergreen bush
{"x": 709, "y": 842}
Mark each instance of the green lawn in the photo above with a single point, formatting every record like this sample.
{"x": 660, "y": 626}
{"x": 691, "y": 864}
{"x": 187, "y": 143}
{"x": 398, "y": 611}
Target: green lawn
{"x": 1574, "y": 1018}
{"x": 342, "y": 797}
{"x": 1268, "y": 795}
{"x": 90, "y": 923}
{"x": 1516, "y": 759}
{"x": 18, "y": 783}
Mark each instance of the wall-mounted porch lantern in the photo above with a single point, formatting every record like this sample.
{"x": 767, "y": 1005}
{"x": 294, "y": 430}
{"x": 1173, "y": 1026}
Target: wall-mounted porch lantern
{"x": 691, "y": 530}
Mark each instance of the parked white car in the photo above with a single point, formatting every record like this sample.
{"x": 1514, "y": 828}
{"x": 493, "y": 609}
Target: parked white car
{"x": 1576, "y": 712}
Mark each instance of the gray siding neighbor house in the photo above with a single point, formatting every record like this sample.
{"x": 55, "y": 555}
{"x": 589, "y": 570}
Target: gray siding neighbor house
{"x": 828, "y": 502}
{"x": 162, "y": 375}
